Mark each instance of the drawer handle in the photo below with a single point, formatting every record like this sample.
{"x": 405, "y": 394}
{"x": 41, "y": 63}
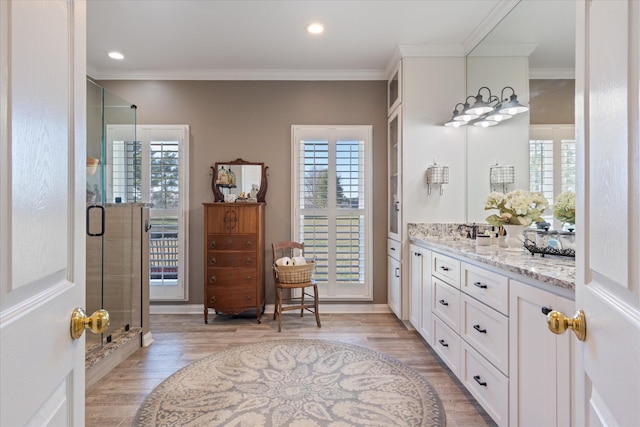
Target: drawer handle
{"x": 213, "y": 299}
{"x": 248, "y": 261}
{"x": 443, "y": 302}
{"x": 443, "y": 343}
{"x": 442, "y": 267}
{"x": 397, "y": 272}
{"x": 482, "y": 383}
{"x": 417, "y": 254}
{"x": 249, "y": 244}
{"x": 392, "y": 248}
{"x": 213, "y": 261}
{"x": 213, "y": 279}
{"x": 480, "y": 285}
{"x": 546, "y": 310}
{"x": 212, "y": 244}
{"x": 248, "y": 279}
{"x": 477, "y": 328}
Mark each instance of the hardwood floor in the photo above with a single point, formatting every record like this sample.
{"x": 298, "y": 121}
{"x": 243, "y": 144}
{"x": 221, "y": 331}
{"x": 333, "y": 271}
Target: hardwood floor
{"x": 182, "y": 339}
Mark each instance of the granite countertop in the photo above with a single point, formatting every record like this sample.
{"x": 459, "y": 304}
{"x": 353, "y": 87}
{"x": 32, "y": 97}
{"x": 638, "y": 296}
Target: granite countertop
{"x": 556, "y": 271}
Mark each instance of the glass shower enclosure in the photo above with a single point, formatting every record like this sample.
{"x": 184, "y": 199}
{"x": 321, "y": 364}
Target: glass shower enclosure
{"x": 114, "y": 227}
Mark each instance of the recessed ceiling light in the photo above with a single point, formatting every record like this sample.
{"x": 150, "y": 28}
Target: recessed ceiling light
{"x": 116, "y": 55}
{"x": 315, "y": 28}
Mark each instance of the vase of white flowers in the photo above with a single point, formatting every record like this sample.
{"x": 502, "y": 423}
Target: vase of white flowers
{"x": 564, "y": 208}
{"x": 516, "y": 211}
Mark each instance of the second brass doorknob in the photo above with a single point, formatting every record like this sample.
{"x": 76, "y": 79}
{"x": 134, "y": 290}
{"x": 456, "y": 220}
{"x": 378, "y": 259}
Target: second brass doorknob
{"x": 558, "y": 323}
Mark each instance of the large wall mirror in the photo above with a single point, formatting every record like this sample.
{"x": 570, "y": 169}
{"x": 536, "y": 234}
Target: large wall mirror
{"x": 532, "y": 50}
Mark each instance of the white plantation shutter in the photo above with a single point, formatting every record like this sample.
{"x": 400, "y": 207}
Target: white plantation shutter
{"x": 332, "y": 212}
{"x": 552, "y": 165}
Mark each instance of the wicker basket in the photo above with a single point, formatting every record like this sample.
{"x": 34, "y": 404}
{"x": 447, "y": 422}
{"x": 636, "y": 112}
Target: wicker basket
{"x": 294, "y": 273}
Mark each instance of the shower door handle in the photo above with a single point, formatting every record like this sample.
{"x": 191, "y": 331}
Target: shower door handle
{"x": 102, "y": 215}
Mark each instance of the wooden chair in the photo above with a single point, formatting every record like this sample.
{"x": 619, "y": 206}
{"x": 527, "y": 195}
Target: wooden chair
{"x": 291, "y": 249}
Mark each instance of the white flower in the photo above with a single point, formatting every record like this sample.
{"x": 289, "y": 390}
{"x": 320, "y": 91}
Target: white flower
{"x": 564, "y": 208}
{"x": 517, "y": 207}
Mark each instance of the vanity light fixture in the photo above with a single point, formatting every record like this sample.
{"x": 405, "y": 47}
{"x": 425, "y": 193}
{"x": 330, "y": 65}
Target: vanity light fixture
{"x": 437, "y": 175}
{"x": 487, "y": 113}
{"x": 455, "y": 121}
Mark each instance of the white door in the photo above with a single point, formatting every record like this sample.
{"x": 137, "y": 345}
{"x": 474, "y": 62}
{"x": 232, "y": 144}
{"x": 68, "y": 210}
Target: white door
{"x": 42, "y": 200}
{"x": 608, "y": 223}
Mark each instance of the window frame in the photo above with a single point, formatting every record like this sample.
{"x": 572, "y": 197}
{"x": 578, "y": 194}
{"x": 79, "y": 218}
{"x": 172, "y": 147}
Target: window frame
{"x": 334, "y": 291}
{"x": 146, "y": 135}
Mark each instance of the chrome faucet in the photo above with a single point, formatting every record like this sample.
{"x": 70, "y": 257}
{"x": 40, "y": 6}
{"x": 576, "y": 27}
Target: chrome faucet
{"x": 472, "y": 230}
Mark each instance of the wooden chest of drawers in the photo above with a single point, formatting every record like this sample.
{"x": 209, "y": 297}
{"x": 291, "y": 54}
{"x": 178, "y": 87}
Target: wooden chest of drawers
{"x": 234, "y": 258}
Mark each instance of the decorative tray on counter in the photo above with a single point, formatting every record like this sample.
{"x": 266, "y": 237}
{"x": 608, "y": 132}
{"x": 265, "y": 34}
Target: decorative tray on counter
{"x": 542, "y": 242}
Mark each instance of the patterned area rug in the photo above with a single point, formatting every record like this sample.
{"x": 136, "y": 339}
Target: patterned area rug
{"x": 294, "y": 383}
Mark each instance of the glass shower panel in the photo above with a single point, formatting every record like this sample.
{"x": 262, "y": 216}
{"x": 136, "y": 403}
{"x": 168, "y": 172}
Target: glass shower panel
{"x": 113, "y": 226}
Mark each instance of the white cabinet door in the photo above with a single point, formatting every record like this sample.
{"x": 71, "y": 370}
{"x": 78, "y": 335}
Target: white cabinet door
{"x": 540, "y": 362}
{"x": 42, "y": 202}
{"x": 415, "y": 285}
{"x": 394, "y": 296}
{"x": 608, "y": 212}
{"x": 420, "y": 295}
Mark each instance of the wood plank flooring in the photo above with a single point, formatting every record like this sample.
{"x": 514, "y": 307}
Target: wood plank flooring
{"x": 182, "y": 339}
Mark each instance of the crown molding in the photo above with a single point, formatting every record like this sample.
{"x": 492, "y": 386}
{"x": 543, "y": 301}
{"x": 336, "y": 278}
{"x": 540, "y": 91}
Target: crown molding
{"x": 423, "y": 51}
{"x": 521, "y": 49}
{"x": 301, "y": 75}
{"x": 499, "y": 12}
{"x": 552, "y": 73}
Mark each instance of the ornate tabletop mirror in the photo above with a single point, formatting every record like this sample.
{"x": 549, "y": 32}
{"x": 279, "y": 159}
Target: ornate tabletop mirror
{"x": 239, "y": 181}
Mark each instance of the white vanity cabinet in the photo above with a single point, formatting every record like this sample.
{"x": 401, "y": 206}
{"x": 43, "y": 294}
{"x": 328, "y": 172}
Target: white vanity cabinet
{"x": 539, "y": 361}
{"x": 420, "y": 292}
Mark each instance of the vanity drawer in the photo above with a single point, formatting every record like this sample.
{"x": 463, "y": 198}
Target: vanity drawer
{"x": 446, "y": 303}
{"x": 446, "y": 268}
{"x": 447, "y": 344}
{"x": 394, "y": 249}
{"x": 485, "y": 383}
{"x": 486, "y": 286}
{"x": 487, "y": 331}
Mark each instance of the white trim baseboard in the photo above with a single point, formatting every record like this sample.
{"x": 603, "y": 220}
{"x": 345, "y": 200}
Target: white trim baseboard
{"x": 324, "y": 308}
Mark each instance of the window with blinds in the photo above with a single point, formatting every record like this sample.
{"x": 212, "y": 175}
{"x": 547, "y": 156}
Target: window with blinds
{"x": 154, "y": 169}
{"x": 332, "y": 206}
{"x": 552, "y": 162}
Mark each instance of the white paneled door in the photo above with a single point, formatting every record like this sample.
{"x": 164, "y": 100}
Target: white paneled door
{"x": 42, "y": 201}
{"x": 608, "y": 223}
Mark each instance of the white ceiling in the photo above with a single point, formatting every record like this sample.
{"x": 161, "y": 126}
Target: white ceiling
{"x": 266, "y": 39}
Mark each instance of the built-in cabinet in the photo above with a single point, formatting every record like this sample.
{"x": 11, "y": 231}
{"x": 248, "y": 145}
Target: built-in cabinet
{"x": 417, "y": 87}
{"x": 490, "y": 329}
{"x": 394, "y": 295}
{"x": 234, "y": 258}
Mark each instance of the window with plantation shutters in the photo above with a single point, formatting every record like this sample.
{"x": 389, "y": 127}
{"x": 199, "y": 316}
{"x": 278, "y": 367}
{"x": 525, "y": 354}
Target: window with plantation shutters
{"x": 154, "y": 169}
{"x": 552, "y": 162}
{"x": 332, "y": 206}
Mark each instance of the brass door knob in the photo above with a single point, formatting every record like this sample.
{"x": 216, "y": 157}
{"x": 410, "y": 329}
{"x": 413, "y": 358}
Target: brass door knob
{"x": 558, "y": 323}
{"x": 97, "y": 323}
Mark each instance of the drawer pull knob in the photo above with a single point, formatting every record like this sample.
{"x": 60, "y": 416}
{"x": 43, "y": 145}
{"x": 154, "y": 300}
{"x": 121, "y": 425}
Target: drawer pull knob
{"x": 443, "y": 302}
{"x": 480, "y": 285}
{"x": 249, "y": 244}
{"x": 546, "y": 310}
{"x": 212, "y": 244}
{"x": 248, "y": 261}
{"x": 213, "y": 261}
{"x": 443, "y": 343}
{"x": 248, "y": 298}
{"x": 213, "y": 299}
{"x": 248, "y": 279}
{"x": 477, "y": 328}
{"x": 212, "y": 279}
{"x": 482, "y": 383}
{"x": 444, "y": 268}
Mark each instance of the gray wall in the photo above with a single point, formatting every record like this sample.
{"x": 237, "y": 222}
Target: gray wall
{"x": 552, "y": 101}
{"x": 252, "y": 120}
